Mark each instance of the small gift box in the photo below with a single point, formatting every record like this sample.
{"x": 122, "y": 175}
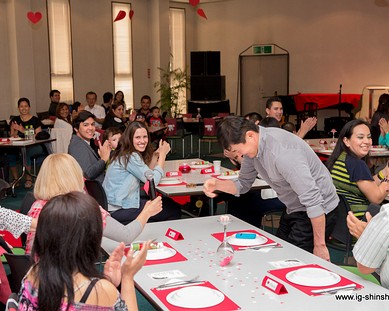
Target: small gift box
{"x": 173, "y": 174}
{"x": 208, "y": 170}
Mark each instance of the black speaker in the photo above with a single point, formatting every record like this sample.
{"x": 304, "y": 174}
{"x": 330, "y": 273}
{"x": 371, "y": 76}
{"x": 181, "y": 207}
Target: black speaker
{"x": 208, "y": 87}
{"x": 205, "y": 63}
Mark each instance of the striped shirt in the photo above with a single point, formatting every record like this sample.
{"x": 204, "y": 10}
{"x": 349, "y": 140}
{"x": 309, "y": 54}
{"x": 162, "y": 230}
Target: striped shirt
{"x": 347, "y": 170}
{"x": 371, "y": 250}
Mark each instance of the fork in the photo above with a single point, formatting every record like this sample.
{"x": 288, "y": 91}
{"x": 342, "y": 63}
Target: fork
{"x": 179, "y": 283}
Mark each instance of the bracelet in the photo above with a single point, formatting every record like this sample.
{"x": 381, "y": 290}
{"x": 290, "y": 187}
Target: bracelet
{"x": 380, "y": 175}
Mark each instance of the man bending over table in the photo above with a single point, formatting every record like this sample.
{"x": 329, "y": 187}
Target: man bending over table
{"x": 292, "y": 169}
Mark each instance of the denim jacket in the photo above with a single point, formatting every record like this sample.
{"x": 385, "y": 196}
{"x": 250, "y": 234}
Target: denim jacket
{"x": 122, "y": 184}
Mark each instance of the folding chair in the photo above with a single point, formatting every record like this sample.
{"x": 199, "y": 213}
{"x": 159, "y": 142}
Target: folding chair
{"x": 19, "y": 265}
{"x": 340, "y": 238}
{"x": 96, "y": 190}
{"x": 176, "y": 131}
{"x": 208, "y": 133}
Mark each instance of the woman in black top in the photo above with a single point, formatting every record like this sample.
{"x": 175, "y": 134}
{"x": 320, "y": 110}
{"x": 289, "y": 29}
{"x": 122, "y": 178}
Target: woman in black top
{"x": 18, "y": 126}
{"x": 115, "y": 117}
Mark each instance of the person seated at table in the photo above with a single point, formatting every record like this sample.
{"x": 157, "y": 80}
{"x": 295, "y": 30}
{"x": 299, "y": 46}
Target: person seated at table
{"x": 156, "y": 121}
{"x": 254, "y": 117}
{"x": 63, "y": 117}
{"x": 145, "y": 103}
{"x": 132, "y": 158}
{"x": 107, "y": 101}
{"x": 382, "y": 112}
{"x": 114, "y": 118}
{"x": 350, "y": 173}
{"x": 92, "y": 163}
{"x": 383, "y": 139}
{"x": 66, "y": 248}
{"x": 77, "y": 107}
{"x": 16, "y": 223}
{"x": 59, "y": 174}
{"x": 112, "y": 135}
{"x": 18, "y": 126}
{"x": 55, "y": 97}
{"x": 289, "y": 126}
{"x": 371, "y": 250}
{"x": 274, "y": 109}
{"x": 119, "y": 98}
{"x": 270, "y": 122}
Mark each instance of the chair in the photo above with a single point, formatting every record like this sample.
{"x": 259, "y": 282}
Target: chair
{"x": 96, "y": 190}
{"x": 176, "y": 131}
{"x": 25, "y": 207}
{"x": 43, "y": 115}
{"x": 208, "y": 133}
{"x": 373, "y": 277}
{"x": 62, "y": 139}
{"x": 340, "y": 238}
{"x": 4, "y": 128}
{"x": 19, "y": 266}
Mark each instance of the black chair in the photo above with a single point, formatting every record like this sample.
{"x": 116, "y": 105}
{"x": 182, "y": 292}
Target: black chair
{"x": 96, "y": 190}
{"x": 43, "y": 115}
{"x": 176, "y": 131}
{"x": 25, "y": 207}
{"x": 19, "y": 266}
{"x": 4, "y": 128}
{"x": 340, "y": 238}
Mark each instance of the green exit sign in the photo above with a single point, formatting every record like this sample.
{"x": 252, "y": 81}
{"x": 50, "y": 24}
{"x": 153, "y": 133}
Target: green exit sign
{"x": 263, "y": 49}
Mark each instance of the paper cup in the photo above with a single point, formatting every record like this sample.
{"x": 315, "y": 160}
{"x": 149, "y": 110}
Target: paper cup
{"x": 216, "y": 166}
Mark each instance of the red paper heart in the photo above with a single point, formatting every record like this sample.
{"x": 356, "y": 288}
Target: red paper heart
{"x": 131, "y": 13}
{"x": 120, "y": 16}
{"x": 201, "y": 13}
{"x": 34, "y": 17}
{"x": 194, "y": 2}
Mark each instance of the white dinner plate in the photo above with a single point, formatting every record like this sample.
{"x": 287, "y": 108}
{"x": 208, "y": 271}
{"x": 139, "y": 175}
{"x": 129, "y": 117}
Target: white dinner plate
{"x": 378, "y": 149}
{"x": 15, "y": 138}
{"x": 160, "y": 253}
{"x": 169, "y": 181}
{"x": 325, "y": 151}
{"x": 195, "y": 297}
{"x": 199, "y": 166}
{"x": 234, "y": 176}
{"x": 259, "y": 240}
{"x": 313, "y": 277}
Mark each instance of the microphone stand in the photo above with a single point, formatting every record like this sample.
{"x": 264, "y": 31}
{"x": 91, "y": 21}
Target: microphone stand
{"x": 340, "y": 100}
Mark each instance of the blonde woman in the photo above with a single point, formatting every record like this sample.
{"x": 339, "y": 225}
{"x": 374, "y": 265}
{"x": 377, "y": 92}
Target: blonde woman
{"x": 60, "y": 173}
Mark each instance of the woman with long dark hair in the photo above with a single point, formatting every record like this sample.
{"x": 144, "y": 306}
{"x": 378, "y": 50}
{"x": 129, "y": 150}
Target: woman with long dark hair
{"x": 130, "y": 161}
{"x": 349, "y": 171}
{"x": 115, "y": 118}
{"x": 66, "y": 247}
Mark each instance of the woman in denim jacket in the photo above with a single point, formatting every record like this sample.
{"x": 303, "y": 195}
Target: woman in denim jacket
{"x": 133, "y": 157}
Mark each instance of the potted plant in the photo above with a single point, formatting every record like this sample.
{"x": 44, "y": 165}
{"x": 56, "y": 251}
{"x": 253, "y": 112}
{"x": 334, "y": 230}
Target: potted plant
{"x": 171, "y": 87}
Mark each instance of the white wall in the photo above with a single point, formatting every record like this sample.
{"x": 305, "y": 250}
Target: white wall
{"x": 330, "y": 42}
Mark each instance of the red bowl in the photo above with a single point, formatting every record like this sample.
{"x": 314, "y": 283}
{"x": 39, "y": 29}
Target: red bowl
{"x": 184, "y": 168}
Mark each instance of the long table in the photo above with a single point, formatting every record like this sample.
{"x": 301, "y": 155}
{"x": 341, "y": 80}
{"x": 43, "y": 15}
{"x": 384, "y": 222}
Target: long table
{"x": 241, "y": 279}
{"x": 22, "y": 145}
{"x": 195, "y": 177}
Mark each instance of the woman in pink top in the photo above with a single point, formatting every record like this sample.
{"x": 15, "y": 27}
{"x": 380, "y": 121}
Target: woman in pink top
{"x": 60, "y": 173}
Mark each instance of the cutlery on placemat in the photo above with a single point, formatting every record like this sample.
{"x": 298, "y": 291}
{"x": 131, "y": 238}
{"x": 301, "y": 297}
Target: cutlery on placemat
{"x": 273, "y": 245}
{"x": 333, "y": 290}
{"x": 179, "y": 283}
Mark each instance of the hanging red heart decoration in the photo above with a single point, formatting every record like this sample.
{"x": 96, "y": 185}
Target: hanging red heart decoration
{"x": 34, "y": 17}
{"x": 131, "y": 13}
{"x": 194, "y": 2}
{"x": 120, "y": 16}
{"x": 201, "y": 13}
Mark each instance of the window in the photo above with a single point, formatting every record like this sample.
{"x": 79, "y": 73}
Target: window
{"x": 122, "y": 51}
{"x": 177, "y": 47}
{"x": 61, "y": 64}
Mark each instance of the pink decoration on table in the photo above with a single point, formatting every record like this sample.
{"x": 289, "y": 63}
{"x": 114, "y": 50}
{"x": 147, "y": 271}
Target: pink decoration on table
{"x": 194, "y": 2}
{"x": 34, "y": 17}
{"x": 120, "y": 16}
{"x": 131, "y": 14}
{"x": 225, "y": 261}
{"x": 201, "y": 13}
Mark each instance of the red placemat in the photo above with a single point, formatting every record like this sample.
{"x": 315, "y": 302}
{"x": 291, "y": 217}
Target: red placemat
{"x": 281, "y": 274}
{"x": 220, "y": 236}
{"x": 226, "y": 304}
{"x": 176, "y": 258}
